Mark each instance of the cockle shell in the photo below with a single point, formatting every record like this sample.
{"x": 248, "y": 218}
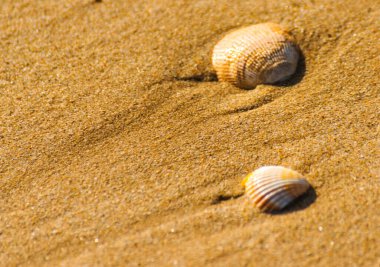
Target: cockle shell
{"x": 259, "y": 54}
{"x": 272, "y": 188}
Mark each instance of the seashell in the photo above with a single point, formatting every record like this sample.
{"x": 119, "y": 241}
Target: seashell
{"x": 272, "y": 188}
{"x": 259, "y": 54}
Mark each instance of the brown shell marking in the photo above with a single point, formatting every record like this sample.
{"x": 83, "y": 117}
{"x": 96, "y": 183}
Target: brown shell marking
{"x": 258, "y": 54}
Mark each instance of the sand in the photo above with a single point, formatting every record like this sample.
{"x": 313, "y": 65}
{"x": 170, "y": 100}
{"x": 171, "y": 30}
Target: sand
{"x": 119, "y": 148}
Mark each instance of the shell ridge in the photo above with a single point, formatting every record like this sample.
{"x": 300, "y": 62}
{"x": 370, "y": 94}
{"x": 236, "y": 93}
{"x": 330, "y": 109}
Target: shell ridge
{"x": 271, "y": 199}
{"x": 269, "y": 188}
{"x": 282, "y": 200}
{"x": 244, "y": 56}
{"x": 274, "y": 187}
{"x": 277, "y": 200}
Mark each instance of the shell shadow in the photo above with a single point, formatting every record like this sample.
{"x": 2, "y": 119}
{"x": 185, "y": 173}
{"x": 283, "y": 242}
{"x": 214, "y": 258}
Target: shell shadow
{"x": 202, "y": 77}
{"x": 300, "y": 203}
{"x": 298, "y": 74}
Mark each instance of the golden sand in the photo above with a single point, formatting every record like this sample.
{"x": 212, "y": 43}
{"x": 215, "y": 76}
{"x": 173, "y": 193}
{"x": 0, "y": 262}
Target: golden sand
{"x": 117, "y": 147}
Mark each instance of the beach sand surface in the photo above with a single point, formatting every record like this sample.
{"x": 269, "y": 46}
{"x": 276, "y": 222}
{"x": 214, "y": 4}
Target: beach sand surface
{"x": 118, "y": 147}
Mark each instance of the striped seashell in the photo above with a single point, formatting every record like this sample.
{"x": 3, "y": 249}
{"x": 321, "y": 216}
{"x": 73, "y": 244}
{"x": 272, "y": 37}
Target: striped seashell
{"x": 272, "y": 188}
{"x": 259, "y": 54}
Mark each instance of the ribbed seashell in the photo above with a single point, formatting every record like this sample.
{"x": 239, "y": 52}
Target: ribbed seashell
{"x": 272, "y": 188}
{"x": 259, "y": 54}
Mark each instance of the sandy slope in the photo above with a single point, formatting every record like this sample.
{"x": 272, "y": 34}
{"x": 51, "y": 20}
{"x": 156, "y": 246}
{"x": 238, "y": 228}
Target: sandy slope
{"x": 116, "y": 145}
